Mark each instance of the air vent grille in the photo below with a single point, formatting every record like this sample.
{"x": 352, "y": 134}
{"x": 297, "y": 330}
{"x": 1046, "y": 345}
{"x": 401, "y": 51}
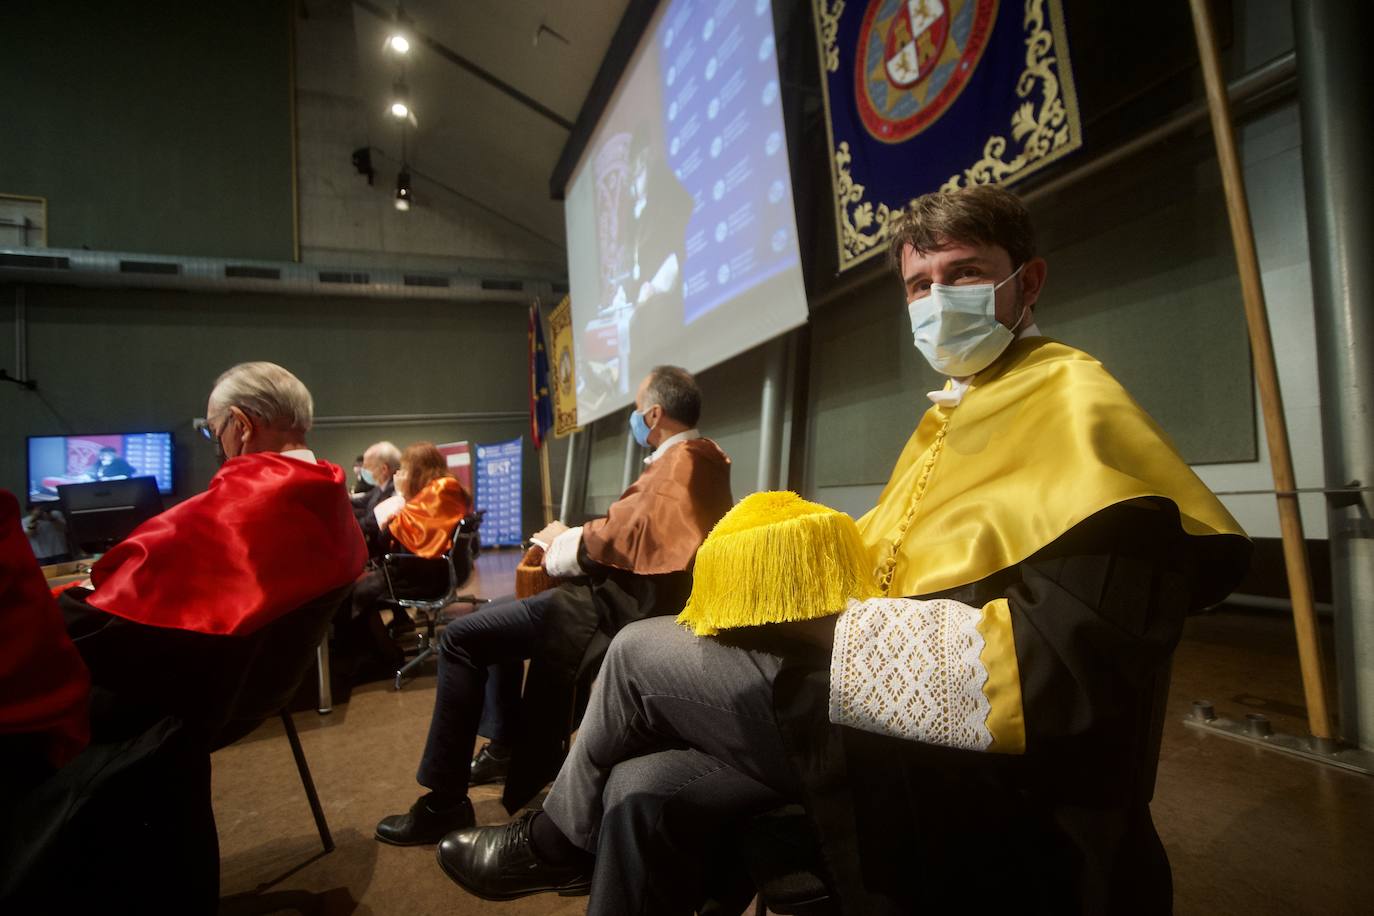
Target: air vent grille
{"x": 336, "y": 276}
{"x": 420, "y": 280}
{"x": 149, "y": 267}
{"x": 248, "y": 272}
{"x": 35, "y": 261}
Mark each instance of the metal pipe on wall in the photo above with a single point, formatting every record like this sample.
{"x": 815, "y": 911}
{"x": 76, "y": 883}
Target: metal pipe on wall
{"x": 770, "y": 414}
{"x": 21, "y": 334}
{"x": 565, "y": 501}
{"x": 1335, "y": 96}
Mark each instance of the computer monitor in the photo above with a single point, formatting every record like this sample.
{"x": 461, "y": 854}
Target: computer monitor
{"x": 58, "y": 460}
{"x": 103, "y": 513}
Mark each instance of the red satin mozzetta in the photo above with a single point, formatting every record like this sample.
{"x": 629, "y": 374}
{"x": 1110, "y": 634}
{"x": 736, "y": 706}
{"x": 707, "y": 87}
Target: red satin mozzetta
{"x": 424, "y": 526}
{"x": 44, "y": 684}
{"x": 270, "y": 534}
{"x": 656, "y": 525}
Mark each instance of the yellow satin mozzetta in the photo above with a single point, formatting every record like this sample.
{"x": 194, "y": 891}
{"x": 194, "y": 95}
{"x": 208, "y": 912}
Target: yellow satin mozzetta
{"x": 1006, "y": 718}
{"x": 1042, "y": 440}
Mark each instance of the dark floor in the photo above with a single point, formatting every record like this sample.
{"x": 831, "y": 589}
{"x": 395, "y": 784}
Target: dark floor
{"x": 1249, "y": 831}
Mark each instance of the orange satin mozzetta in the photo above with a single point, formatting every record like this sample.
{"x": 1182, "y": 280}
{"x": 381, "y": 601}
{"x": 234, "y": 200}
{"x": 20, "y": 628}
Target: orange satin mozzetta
{"x": 44, "y": 684}
{"x": 424, "y": 526}
{"x": 269, "y": 535}
{"x": 656, "y": 525}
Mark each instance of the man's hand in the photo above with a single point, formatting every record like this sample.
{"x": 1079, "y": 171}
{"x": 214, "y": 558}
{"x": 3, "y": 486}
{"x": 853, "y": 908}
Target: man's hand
{"x": 549, "y": 532}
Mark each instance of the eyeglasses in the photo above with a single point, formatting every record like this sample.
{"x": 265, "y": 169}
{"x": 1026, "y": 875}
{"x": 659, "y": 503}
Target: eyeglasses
{"x": 207, "y": 430}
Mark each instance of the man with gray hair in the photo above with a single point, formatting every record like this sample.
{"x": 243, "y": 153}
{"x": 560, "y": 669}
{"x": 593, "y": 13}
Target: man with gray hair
{"x": 273, "y": 531}
{"x": 381, "y": 460}
{"x": 634, "y": 562}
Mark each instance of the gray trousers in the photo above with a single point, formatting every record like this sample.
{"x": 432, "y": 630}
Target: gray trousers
{"x": 679, "y": 740}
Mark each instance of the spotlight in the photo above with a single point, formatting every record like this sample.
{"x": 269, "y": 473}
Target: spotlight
{"x": 398, "y": 38}
{"x": 400, "y": 102}
{"x": 403, "y": 189}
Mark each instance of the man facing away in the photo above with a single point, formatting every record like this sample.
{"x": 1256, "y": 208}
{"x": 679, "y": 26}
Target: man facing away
{"x": 979, "y": 737}
{"x": 273, "y": 531}
{"x": 633, "y": 563}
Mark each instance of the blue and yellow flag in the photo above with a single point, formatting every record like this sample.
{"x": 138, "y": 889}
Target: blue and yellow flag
{"x": 541, "y": 401}
{"x": 925, "y": 95}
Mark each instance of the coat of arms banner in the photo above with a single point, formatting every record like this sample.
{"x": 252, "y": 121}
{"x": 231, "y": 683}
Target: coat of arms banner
{"x": 922, "y": 95}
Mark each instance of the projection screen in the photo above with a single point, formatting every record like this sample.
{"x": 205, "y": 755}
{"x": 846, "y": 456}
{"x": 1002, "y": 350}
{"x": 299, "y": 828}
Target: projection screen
{"x": 682, "y": 240}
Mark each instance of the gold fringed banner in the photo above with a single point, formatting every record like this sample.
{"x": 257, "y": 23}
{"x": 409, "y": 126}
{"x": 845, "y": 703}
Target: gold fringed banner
{"x": 563, "y": 368}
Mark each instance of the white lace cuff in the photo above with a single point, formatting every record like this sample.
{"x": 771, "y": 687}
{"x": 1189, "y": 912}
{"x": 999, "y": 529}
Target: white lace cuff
{"x": 911, "y": 669}
{"x": 560, "y": 559}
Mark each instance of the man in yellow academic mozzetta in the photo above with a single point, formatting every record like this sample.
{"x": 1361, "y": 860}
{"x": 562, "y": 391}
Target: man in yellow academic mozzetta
{"x": 977, "y": 730}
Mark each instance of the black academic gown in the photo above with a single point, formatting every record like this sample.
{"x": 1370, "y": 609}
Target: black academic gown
{"x": 585, "y": 615}
{"x": 1064, "y": 827}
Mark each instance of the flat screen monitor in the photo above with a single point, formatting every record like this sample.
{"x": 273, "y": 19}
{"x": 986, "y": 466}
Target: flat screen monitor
{"x": 103, "y": 513}
{"x": 58, "y": 460}
{"x": 682, "y": 240}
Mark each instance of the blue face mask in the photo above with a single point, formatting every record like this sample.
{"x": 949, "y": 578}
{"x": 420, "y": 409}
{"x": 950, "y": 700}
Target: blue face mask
{"x": 639, "y": 429}
{"x": 367, "y": 477}
{"x": 956, "y": 327}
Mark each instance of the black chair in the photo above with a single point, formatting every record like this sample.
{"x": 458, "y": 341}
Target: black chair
{"x": 280, "y": 659}
{"x": 134, "y": 809}
{"x": 779, "y": 851}
{"x": 457, "y": 563}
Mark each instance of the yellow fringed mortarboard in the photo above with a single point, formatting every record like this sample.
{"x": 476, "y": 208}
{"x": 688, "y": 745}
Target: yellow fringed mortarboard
{"x": 775, "y": 558}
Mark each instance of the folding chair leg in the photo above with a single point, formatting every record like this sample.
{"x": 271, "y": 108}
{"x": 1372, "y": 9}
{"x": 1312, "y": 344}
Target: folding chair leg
{"x": 304, "y": 769}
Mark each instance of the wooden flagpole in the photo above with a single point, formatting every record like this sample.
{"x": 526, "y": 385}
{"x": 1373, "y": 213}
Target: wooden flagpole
{"x": 545, "y": 482}
{"x": 1266, "y": 375}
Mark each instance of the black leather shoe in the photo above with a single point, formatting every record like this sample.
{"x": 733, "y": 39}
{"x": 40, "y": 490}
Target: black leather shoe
{"x": 488, "y": 767}
{"x": 498, "y": 863}
{"x": 424, "y": 823}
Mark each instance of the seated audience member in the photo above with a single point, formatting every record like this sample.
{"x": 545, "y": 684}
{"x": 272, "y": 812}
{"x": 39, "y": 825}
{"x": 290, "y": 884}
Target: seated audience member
{"x": 633, "y": 563}
{"x": 273, "y": 531}
{"x": 47, "y": 533}
{"x": 432, "y": 504}
{"x": 976, "y": 737}
{"x": 162, "y": 634}
{"x": 43, "y": 682}
{"x": 380, "y": 463}
{"x": 363, "y": 481}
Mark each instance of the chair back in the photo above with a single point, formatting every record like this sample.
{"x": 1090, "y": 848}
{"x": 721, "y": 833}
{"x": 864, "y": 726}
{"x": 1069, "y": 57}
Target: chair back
{"x": 282, "y": 653}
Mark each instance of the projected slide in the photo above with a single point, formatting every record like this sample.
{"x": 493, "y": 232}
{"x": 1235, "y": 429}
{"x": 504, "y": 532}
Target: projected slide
{"x": 681, "y": 234}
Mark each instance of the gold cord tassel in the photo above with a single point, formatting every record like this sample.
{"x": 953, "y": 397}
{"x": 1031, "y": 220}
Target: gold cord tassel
{"x": 775, "y": 558}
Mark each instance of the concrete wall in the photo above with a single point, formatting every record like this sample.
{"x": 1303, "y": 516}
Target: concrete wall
{"x": 158, "y": 126}
{"x": 135, "y": 360}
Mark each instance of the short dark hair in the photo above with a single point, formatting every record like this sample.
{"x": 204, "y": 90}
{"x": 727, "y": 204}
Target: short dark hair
{"x": 675, "y": 390}
{"x": 980, "y": 215}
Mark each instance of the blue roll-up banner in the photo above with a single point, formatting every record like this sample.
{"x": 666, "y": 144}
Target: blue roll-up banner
{"x": 498, "y": 491}
{"x": 925, "y": 95}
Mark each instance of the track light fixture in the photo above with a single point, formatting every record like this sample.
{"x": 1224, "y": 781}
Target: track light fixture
{"x": 400, "y": 101}
{"x": 403, "y": 189}
{"x": 399, "y": 36}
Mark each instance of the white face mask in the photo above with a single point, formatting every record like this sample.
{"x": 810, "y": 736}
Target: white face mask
{"x": 956, "y": 327}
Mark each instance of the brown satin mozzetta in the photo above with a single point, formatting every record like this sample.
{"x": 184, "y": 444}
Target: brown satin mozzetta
{"x": 659, "y": 522}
